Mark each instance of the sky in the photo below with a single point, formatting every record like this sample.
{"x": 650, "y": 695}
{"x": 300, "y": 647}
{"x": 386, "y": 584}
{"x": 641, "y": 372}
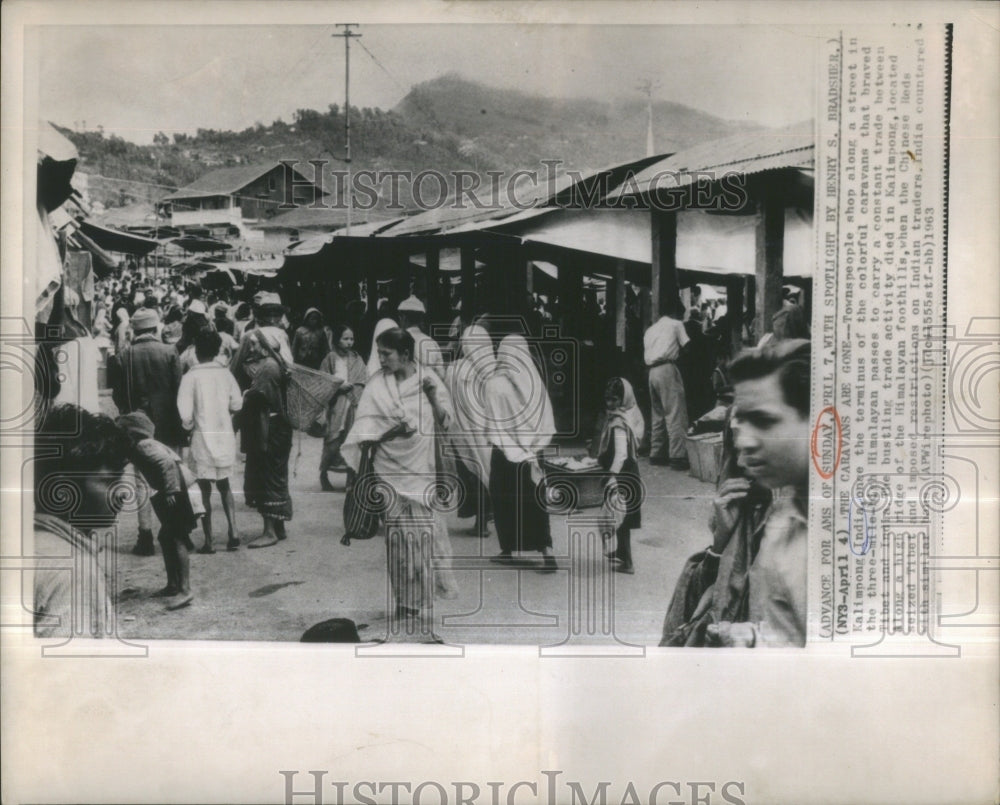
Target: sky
{"x": 138, "y": 80}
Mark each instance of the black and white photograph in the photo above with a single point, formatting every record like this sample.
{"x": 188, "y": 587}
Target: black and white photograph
{"x": 597, "y": 370}
{"x": 474, "y": 336}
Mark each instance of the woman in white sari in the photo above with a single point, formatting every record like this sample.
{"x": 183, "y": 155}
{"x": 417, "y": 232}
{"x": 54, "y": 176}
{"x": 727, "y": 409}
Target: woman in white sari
{"x": 467, "y": 381}
{"x": 381, "y": 326}
{"x": 400, "y": 409}
{"x": 521, "y": 423}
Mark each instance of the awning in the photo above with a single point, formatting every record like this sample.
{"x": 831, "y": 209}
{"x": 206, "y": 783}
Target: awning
{"x": 201, "y": 244}
{"x": 620, "y": 234}
{"x": 713, "y": 244}
{"x": 267, "y": 267}
{"x": 114, "y": 241}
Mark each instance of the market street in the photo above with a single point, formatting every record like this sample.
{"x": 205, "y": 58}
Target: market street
{"x": 277, "y": 593}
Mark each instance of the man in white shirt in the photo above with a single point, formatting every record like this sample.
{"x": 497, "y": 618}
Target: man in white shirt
{"x": 411, "y": 314}
{"x": 662, "y": 345}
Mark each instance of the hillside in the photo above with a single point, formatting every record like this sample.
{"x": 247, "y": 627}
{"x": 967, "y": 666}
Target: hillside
{"x": 512, "y": 129}
{"x": 447, "y": 124}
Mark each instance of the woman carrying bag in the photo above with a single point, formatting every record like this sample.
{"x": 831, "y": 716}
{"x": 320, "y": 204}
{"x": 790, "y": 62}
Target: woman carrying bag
{"x": 401, "y": 409}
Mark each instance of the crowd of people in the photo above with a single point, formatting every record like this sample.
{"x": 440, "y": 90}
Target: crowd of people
{"x": 189, "y": 369}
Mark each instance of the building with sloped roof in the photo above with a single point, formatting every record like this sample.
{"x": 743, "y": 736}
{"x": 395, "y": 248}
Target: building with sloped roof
{"x": 241, "y": 196}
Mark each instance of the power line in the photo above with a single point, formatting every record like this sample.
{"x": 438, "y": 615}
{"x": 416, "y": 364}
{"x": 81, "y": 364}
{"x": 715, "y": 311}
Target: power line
{"x": 415, "y": 99}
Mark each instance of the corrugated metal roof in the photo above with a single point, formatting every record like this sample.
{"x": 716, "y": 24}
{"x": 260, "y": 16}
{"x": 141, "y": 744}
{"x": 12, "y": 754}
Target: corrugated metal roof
{"x": 225, "y": 181}
{"x": 711, "y": 244}
{"x": 316, "y": 244}
{"x": 327, "y": 217}
{"x": 529, "y": 195}
{"x": 448, "y": 216}
{"x": 749, "y": 153}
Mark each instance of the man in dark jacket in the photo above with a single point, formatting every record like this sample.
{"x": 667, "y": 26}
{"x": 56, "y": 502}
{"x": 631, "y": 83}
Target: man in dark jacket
{"x": 145, "y": 376}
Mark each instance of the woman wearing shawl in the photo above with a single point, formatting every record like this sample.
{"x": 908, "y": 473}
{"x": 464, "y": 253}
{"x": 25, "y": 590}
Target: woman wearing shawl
{"x": 266, "y": 438}
{"x": 521, "y": 423}
{"x": 268, "y": 316}
{"x": 343, "y": 363}
{"x": 617, "y": 453}
{"x": 374, "y": 365}
{"x": 311, "y": 343}
{"x": 398, "y": 411}
{"x": 467, "y": 378}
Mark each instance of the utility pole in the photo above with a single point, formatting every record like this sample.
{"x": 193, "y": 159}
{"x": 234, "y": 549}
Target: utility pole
{"x": 348, "y": 35}
{"x": 647, "y": 86}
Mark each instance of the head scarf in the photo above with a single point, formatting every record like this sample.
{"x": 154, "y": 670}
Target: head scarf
{"x": 477, "y": 351}
{"x": 305, "y": 319}
{"x": 518, "y": 402}
{"x": 374, "y": 365}
{"x": 627, "y": 414}
{"x": 467, "y": 381}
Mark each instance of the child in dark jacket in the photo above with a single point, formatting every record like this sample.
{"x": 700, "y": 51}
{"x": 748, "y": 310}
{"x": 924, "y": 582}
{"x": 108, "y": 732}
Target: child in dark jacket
{"x": 170, "y": 479}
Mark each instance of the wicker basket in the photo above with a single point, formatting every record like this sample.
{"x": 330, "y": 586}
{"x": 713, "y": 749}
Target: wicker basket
{"x": 705, "y": 455}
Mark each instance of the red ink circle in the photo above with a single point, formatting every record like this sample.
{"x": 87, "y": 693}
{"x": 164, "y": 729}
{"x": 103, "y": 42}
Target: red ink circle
{"x": 828, "y": 418}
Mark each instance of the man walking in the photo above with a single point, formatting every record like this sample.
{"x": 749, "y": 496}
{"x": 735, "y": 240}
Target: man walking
{"x": 145, "y": 377}
{"x": 412, "y": 316}
{"x": 662, "y": 344}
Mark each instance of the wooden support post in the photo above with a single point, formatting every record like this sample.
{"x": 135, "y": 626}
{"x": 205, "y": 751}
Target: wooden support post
{"x": 468, "y": 286}
{"x": 665, "y": 289}
{"x": 435, "y": 305}
{"x": 570, "y": 299}
{"x": 734, "y": 306}
{"x": 402, "y": 277}
{"x": 371, "y": 290}
{"x": 770, "y": 248}
{"x": 619, "y": 308}
{"x": 517, "y": 281}
{"x": 750, "y": 299}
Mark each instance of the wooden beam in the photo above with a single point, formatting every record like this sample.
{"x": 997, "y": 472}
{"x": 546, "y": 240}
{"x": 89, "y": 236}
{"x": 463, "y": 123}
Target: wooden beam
{"x": 468, "y": 286}
{"x": 619, "y": 308}
{"x": 570, "y": 298}
{"x": 520, "y": 282}
{"x": 371, "y": 289}
{"x": 432, "y": 274}
{"x": 770, "y": 248}
{"x": 665, "y": 289}
{"x": 734, "y": 306}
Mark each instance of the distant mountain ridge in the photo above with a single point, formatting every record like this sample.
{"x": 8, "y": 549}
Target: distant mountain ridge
{"x": 448, "y": 124}
{"x": 515, "y": 129}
